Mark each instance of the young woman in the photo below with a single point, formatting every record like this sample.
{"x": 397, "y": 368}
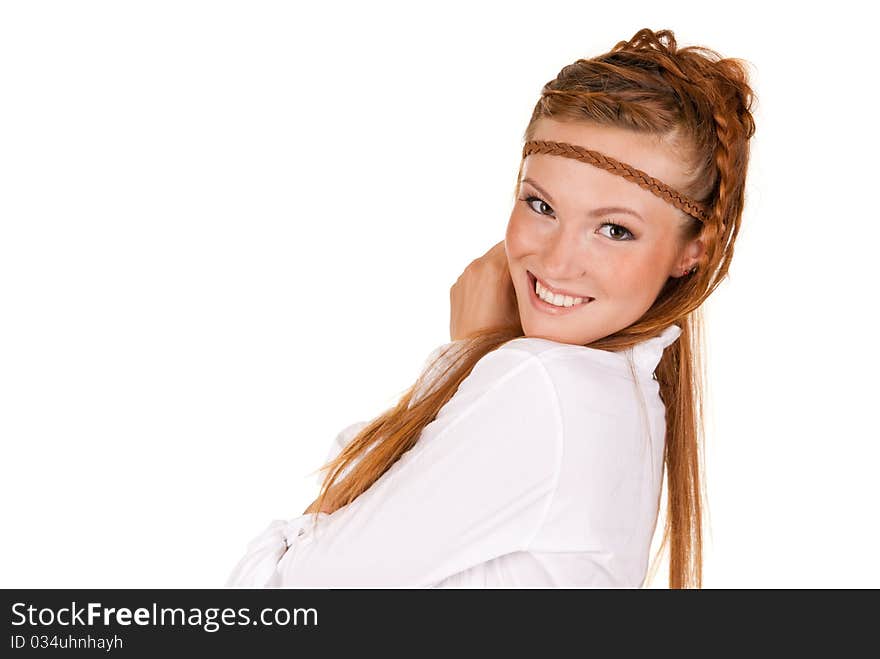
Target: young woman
{"x": 533, "y": 448}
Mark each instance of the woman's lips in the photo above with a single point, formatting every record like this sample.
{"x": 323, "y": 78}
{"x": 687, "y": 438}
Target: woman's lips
{"x": 546, "y": 307}
{"x": 553, "y": 290}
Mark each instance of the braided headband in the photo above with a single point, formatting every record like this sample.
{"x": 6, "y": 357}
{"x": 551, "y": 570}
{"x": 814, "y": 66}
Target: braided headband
{"x": 630, "y": 173}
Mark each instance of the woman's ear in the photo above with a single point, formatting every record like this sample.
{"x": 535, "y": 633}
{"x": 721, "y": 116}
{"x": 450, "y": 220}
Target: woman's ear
{"x": 690, "y": 257}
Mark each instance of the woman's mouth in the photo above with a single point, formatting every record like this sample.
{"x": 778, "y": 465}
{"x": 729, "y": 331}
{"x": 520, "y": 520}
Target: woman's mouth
{"x": 553, "y": 304}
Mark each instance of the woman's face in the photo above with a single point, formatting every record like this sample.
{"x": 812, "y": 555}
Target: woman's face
{"x": 563, "y": 230}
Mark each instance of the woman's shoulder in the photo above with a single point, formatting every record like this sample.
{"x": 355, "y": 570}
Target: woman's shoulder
{"x": 573, "y": 375}
{"x": 548, "y": 351}
{"x": 534, "y": 366}
{"x": 611, "y": 383}
{"x": 641, "y": 358}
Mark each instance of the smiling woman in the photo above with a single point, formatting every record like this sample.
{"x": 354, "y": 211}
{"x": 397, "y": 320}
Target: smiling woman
{"x": 593, "y": 232}
{"x": 533, "y": 448}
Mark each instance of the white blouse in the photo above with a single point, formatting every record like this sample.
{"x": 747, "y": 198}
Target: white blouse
{"x": 543, "y": 470}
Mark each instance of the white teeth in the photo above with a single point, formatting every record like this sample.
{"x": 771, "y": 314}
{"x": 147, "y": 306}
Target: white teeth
{"x": 556, "y": 299}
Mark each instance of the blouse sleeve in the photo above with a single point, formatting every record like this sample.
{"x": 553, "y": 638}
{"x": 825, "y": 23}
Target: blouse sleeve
{"x": 476, "y": 485}
{"x": 256, "y": 569}
{"x": 342, "y": 438}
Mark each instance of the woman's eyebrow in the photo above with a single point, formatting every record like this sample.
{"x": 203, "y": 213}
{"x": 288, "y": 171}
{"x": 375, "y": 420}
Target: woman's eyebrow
{"x": 605, "y": 210}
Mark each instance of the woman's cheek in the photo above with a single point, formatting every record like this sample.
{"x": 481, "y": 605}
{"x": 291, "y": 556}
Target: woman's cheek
{"x": 521, "y": 236}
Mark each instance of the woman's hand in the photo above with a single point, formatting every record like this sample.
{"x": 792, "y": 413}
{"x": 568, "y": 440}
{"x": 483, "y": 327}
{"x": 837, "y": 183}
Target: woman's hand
{"x": 483, "y": 296}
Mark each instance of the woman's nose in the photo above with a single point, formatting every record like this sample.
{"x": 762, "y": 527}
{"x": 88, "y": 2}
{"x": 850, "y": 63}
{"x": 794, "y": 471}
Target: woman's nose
{"x": 563, "y": 258}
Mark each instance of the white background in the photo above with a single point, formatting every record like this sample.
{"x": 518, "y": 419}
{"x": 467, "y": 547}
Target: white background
{"x": 228, "y": 230}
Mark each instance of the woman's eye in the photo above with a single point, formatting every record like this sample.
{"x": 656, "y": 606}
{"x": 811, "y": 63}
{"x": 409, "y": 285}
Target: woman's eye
{"x": 529, "y": 201}
{"x": 618, "y": 232}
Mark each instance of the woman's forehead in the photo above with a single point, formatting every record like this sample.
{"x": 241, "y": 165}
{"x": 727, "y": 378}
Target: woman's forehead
{"x": 649, "y": 153}
{"x": 565, "y": 180}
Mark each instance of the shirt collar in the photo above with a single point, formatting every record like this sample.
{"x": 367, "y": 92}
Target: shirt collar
{"x": 647, "y": 354}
